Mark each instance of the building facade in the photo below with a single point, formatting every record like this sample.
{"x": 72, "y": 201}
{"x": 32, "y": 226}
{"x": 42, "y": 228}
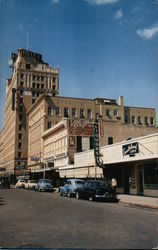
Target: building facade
{"x": 133, "y": 163}
{"x": 31, "y": 77}
{"x": 46, "y": 125}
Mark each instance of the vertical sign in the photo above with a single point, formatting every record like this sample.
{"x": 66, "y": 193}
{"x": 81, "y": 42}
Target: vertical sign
{"x": 98, "y": 161}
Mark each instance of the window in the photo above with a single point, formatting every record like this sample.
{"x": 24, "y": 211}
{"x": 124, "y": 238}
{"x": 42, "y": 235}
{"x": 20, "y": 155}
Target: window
{"x": 20, "y": 108}
{"x": 20, "y": 117}
{"x": 110, "y": 140}
{"x": 33, "y": 85}
{"x": 139, "y": 120}
{"x": 47, "y": 82}
{"x": 33, "y": 93}
{"x": 91, "y": 142}
{"x": 57, "y": 111}
{"x": 27, "y": 66}
{"x": 38, "y": 85}
{"x": 49, "y": 111}
{"x": 54, "y": 80}
{"x": 37, "y": 93}
{"x": 19, "y": 145}
{"x": 53, "y": 87}
{"x": 20, "y": 136}
{"x": 115, "y": 112}
{"x": 81, "y": 113}
{"x": 107, "y": 112}
{"x": 42, "y": 86}
{"x": 33, "y": 100}
{"x": 133, "y": 119}
{"x": 34, "y": 77}
{"x": 89, "y": 113}
{"x": 22, "y": 76}
{"x": 151, "y": 175}
{"x": 21, "y": 84}
{"x": 42, "y": 78}
{"x": 20, "y": 126}
{"x": 66, "y": 112}
{"x": 146, "y": 120}
{"x": 38, "y": 78}
{"x": 73, "y": 112}
{"x": 21, "y": 92}
{"x": 79, "y": 144}
{"x": 151, "y": 120}
{"x": 19, "y": 154}
{"x": 49, "y": 125}
{"x": 126, "y": 119}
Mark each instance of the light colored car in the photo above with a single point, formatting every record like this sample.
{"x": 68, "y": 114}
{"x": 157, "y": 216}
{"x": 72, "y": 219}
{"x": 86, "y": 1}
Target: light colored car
{"x": 20, "y": 184}
{"x": 30, "y": 184}
{"x": 70, "y": 187}
{"x": 44, "y": 185}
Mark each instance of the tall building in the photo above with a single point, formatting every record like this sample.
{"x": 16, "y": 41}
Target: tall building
{"x": 32, "y": 107}
{"x": 31, "y": 77}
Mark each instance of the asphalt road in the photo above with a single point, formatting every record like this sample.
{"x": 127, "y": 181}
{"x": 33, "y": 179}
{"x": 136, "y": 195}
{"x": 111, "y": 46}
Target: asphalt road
{"x": 31, "y": 219}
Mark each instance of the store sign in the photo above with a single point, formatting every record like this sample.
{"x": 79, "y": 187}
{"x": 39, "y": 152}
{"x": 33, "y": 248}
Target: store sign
{"x": 98, "y": 161}
{"x": 130, "y": 149}
{"x": 34, "y": 158}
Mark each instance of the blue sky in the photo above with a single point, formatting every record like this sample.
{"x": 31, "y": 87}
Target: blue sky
{"x": 103, "y": 48}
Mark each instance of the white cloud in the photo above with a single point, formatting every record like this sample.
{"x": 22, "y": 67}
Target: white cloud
{"x": 148, "y": 33}
{"x": 118, "y": 14}
{"x": 97, "y": 2}
{"x": 55, "y": 1}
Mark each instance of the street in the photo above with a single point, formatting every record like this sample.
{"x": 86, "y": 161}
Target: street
{"x": 46, "y": 220}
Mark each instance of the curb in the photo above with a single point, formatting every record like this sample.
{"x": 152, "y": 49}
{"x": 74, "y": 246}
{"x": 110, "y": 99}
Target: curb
{"x": 139, "y": 205}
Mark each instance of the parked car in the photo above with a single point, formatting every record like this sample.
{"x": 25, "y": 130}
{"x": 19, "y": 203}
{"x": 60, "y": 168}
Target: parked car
{"x": 30, "y": 184}
{"x": 4, "y": 183}
{"x": 44, "y": 185}
{"x": 20, "y": 184}
{"x": 70, "y": 187}
{"x": 94, "y": 190}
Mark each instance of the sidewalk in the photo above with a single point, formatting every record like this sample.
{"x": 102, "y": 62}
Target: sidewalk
{"x": 142, "y": 201}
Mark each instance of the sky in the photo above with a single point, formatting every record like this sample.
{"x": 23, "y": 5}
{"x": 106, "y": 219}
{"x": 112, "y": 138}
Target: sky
{"x": 103, "y": 48}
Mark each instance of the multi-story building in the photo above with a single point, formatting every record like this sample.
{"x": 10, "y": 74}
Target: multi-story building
{"x": 47, "y": 132}
{"x": 33, "y": 106}
{"x": 31, "y": 77}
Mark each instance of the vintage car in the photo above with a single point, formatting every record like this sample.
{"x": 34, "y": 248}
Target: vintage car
{"x": 94, "y": 190}
{"x": 30, "y": 184}
{"x": 20, "y": 184}
{"x": 44, "y": 185}
{"x": 70, "y": 187}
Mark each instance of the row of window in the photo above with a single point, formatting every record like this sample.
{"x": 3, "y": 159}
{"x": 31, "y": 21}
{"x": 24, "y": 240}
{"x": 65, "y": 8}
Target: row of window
{"x": 139, "y": 119}
{"x": 73, "y": 112}
{"x": 36, "y": 80}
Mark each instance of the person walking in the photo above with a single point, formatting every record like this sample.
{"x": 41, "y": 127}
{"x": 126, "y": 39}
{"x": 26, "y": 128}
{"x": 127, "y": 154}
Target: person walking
{"x": 113, "y": 185}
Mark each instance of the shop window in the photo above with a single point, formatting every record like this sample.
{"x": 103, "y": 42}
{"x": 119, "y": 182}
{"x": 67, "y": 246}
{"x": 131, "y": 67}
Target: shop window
{"x": 151, "y": 175}
{"x": 110, "y": 140}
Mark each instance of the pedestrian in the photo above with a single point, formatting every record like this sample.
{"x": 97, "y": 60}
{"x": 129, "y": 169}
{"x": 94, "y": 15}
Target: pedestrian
{"x": 113, "y": 185}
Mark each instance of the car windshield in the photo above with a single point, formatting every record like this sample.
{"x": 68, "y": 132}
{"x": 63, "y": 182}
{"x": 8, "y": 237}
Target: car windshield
{"x": 47, "y": 181}
{"x": 99, "y": 184}
{"x": 79, "y": 182}
{"x": 32, "y": 181}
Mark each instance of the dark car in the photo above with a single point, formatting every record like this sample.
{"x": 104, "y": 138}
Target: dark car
{"x": 94, "y": 190}
{"x": 4, "y": 183}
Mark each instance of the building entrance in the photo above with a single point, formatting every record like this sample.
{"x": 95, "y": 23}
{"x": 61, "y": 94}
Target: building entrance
{"x": 126, "y": 180}
{"x": 140, "y": 180}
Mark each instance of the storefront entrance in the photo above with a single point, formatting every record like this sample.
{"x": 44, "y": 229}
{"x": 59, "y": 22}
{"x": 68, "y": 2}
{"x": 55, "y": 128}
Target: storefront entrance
{"x": 126, "y": 180}
{"x": 140, "y": 180}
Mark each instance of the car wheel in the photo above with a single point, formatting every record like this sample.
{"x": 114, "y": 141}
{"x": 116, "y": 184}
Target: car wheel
{"x": 77, "y": 195}
{"x": 91, "y": 198}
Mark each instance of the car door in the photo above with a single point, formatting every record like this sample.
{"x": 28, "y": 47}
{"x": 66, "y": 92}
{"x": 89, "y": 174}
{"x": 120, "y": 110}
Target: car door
{"x": 66, "y": 187}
